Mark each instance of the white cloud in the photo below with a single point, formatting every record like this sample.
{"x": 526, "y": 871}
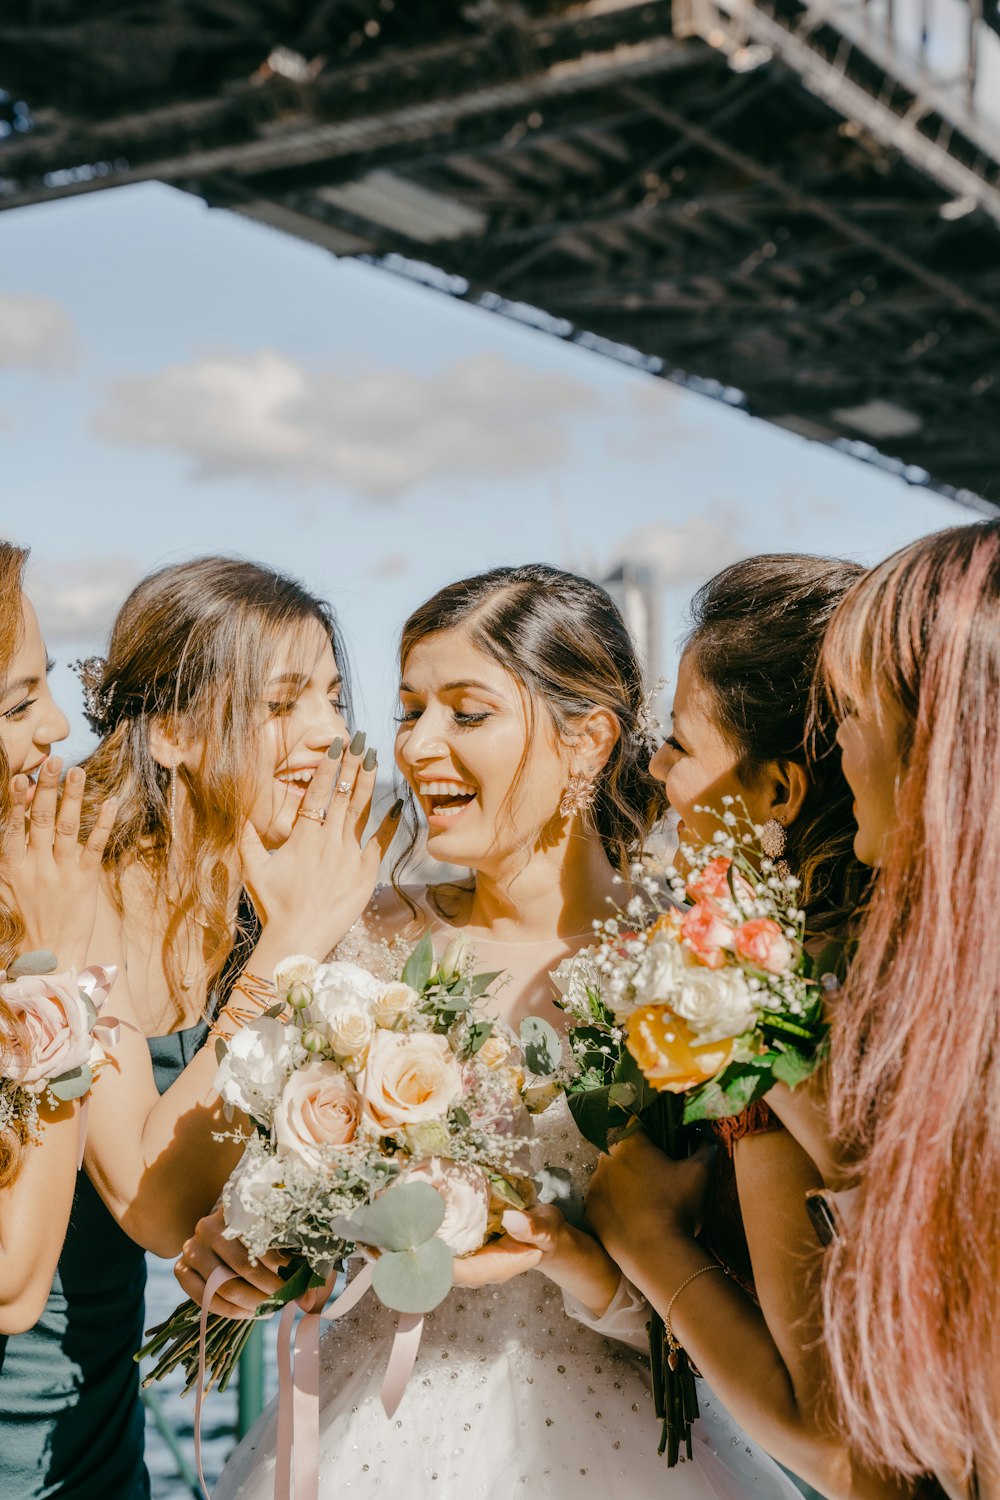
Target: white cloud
{"x": 35, "y": 334}
{"x": 377, "y": 431}
{"x": 77, "y": 602}
{"x": 681, "y": 554}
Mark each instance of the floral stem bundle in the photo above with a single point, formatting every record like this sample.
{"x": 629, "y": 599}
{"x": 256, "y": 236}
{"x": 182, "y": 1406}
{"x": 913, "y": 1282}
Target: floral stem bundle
{"x": 391, "y": 1116}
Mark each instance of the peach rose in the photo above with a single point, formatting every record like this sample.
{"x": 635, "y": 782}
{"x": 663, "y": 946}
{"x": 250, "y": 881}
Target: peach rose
{"x": 466, "y": 1194}
{"x": 319, "y": 1107}
{"x": 55, "y": 1023}
{"x": 712, "y": 883}
{"x": 663, "y": 1046}
{"x": 706, "y": 935}
{"x": 409, "y": 1077}
{"x": 763, "y": 943}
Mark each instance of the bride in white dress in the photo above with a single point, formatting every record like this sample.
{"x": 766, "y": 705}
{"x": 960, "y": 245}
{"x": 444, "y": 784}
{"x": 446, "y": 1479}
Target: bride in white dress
{"x": 520, "y": 739}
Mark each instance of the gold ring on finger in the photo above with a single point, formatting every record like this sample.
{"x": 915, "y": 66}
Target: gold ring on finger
{"x": 344, "y": 788}
{"x": 317, "y": 814}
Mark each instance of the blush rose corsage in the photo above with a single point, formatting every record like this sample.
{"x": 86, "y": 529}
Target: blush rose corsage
{"x": 59, "y": 1040}
{"x": 393, "y": 1117}
{"x": 689, "y": 1007}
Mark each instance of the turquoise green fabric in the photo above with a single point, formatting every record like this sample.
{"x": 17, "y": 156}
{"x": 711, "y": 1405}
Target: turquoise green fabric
{"x": 71, "y": 1423}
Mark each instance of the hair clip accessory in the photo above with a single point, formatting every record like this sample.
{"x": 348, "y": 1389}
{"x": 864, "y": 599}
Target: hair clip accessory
{"x": 97, "y": 693}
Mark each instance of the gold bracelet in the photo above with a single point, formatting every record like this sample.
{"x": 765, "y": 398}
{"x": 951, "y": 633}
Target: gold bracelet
{"x": 261, "y": 990}
{"x": 673, "y": 1347}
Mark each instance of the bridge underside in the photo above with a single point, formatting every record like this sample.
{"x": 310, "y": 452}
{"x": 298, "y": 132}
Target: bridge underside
{"x": 636, "y": 177}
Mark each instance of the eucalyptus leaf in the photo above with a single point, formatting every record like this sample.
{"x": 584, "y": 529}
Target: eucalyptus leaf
{"x": 542, "y": 1047}
{"x": 74, "y": 1084}
{"x": 623, "y": 1095}
{"x": 418, "y": 967}
{"x": 220, "y": 1049}
{"x": 478, "y": 1034}
{"x": 274, "y": 1012}
{"x": 417, "y": 1280}
{"x": 38, "y": 961}
{"x": 299, "y": 1278}
{"x": 406, "y": 1215}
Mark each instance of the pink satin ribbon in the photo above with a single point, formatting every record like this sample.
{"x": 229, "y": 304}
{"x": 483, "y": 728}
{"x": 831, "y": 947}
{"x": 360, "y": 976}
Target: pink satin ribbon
{"x": 96, "y": 983}
{"x": 297, "y": 1456}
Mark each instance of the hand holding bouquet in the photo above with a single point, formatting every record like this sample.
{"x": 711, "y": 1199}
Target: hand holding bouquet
{"x": 685, "y": 1013}
{"x": 381, "y": 1115}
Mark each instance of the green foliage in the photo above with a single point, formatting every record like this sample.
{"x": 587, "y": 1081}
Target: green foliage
{"x": 542, "y": 1047}
{"x": 415, "y": 1280}
{"x": 792, "y": 1068}
{"x": 506, "y": 1191}
{"x": 72, "y": 1085}
{"x": 476, "y": 1034}
{"x": 736, "y": 1087}
{"x": 418, "y": 967}
{"x": 38, "y": 961}
{"x": 402, "y": 1218}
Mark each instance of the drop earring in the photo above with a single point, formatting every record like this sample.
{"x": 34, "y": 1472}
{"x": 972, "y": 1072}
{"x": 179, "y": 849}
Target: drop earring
{"x": 773, "y": 839}
{"x": 579, "y": 795}
{"x": 172, "y": 803}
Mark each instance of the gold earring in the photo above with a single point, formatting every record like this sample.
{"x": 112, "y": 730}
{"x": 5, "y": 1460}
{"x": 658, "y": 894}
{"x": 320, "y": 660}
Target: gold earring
{"x": 773, "y": 839}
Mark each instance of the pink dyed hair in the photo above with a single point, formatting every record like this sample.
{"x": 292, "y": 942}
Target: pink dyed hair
{"x": 912, "y": 1314}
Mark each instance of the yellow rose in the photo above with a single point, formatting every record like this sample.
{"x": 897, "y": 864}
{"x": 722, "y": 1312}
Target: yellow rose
{"x": 663, "y": 1045}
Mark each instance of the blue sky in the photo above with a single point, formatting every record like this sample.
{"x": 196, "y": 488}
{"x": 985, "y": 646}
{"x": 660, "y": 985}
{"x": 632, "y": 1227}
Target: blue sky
{"x": 176, "y": 381}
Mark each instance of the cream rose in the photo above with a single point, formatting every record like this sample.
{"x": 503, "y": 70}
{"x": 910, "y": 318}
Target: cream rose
{"x": 466, "y": 1195}
{"x": 349, "y": 1030}
{"x": 393, "y": 1005}
{"x": 494, "y": 1051}
{"x": 56, "y": 1024}
{"x": 319, "y": 1107}
{"x": 342, "y": 983}
{"x": 409, "y": 1077}
{"x": 298, "y": 968}
{"x": 716, "y": 1003}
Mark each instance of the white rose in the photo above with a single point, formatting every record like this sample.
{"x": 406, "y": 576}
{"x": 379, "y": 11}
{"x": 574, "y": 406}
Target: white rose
{"x": 299, "y": 968}
{"x": 251, "y": 1199}
{"x": 394, "y": 1004}
{"x": 716, "y": 1003}
{"x": 466, "y": 1195}
{"x": 349, "y": 1031}
{"x": 338, "y": 984}
{"x": 319, "y": 1107}
{"x": 409, "y": 1077}
{"x": 661, "y": 968}
{"x": 258, "y": 1059}
{"x": 494, "y": 1051}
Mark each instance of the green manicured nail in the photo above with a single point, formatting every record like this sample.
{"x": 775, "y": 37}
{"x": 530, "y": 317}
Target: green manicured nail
{"x": 371, "y": 756}
{"x": 336, "y": 750}
{"x": 358, "y": 742}
{"x": 396, "y": 808}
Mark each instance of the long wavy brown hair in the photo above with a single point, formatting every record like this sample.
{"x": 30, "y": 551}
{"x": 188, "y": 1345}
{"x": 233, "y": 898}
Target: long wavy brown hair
{"x": 13, "y": 1140}
{"x": 563, "y": 639}
{"x": 911, "y": 1307}
{"x": 194, "y": 644}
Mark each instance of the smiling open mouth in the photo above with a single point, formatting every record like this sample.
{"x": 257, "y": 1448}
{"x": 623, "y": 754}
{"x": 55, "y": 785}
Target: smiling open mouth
{"x": 297, "y": 781}
{"x": 445, "y": 799}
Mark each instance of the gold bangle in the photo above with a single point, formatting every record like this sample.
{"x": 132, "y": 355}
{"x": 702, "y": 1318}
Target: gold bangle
{"x": 673, "y": 1347}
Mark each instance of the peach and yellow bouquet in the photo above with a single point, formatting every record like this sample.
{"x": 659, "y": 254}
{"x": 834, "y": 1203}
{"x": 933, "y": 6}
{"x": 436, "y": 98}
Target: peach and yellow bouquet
{"x": 694, "y": 1001}
{"x": 390, "y": 1116}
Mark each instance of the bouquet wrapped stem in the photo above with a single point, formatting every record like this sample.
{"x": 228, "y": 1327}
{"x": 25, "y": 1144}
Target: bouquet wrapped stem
{"x": 675, "y": 1396}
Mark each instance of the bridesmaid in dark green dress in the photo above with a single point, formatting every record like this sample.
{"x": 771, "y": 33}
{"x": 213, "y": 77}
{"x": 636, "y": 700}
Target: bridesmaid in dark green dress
{"x": 221, "y": 714}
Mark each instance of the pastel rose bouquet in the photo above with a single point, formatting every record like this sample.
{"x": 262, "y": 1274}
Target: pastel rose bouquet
{"x": 388, "y": 1116}
{"x": 688, "y": 1009}
{"x": 59, "y": 1042}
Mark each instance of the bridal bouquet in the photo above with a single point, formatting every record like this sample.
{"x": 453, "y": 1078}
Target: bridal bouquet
{"x": 380, "y": 1115}
{"x": 684, "y": 1013}
{"x": 61, "y": 1042}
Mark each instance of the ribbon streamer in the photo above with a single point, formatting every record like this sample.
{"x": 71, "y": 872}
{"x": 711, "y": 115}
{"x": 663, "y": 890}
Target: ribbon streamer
{"x": 297, "y": 1456}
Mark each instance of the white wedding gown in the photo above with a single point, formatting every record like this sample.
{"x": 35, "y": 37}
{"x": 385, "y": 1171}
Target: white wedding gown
{"x": 510, "y": 1395}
